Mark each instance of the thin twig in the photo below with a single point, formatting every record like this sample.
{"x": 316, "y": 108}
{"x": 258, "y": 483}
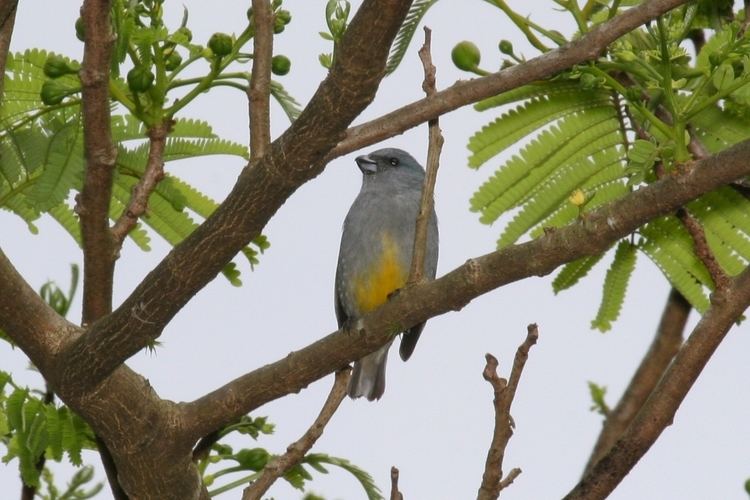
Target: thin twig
{"x": 665, "y": 345}
{"x": 395, "y": 493}
{"x": 702, "y": 249}
{"x": 296, "y": 451}
{"x": 258, "y": 92}
{"x": 433, "y": 162}
{"x": 659, "y": 410}
{"x": 505, "y": 390}
{"x": 153, "y": 173}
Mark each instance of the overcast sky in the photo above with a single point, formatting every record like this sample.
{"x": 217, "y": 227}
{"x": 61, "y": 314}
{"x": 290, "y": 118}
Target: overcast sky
{"x": 435, "y": 420}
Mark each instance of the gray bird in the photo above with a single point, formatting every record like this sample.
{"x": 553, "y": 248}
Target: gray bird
{"x": 375, "y": 254}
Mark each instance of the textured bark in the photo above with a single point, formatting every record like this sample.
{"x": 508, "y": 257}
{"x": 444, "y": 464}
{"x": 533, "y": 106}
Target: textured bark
{"x": 658, "y": 412}
{"x": 665, "y": 345}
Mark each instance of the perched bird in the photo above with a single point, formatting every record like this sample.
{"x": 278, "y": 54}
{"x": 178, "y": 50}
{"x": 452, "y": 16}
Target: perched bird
{"x": 376, "y": 251}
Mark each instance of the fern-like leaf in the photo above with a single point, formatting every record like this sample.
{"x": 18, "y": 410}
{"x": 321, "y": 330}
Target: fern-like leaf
{"x": 288, "y": 104}
{"x": 530, "y": 91}
{"x": 371, "y": 489}
{"x": 522, "y": 120}
{"x": 578, "y": 136}
{"x": 411, "y": 22}
{"x": 615, "y": 286}
{"x": 574, "y": 271}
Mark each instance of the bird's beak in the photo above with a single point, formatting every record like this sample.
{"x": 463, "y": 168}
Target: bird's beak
{"x": 366, "y": 164}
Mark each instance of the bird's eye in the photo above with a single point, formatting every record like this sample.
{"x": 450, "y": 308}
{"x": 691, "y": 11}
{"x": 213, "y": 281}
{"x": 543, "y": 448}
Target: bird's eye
{"x": 394, "y": 162}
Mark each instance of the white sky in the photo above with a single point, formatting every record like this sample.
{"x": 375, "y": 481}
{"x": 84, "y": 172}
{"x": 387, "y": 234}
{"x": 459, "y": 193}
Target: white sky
{"x": 435, "y": 420}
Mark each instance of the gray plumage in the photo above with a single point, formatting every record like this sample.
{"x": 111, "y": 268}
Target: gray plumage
{"x": 376, "y": 251}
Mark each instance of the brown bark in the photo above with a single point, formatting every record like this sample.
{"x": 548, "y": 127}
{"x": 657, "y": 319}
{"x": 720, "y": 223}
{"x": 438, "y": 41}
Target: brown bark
{"x": 665, "y": 345}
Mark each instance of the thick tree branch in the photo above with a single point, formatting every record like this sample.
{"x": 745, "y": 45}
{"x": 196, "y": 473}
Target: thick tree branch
{"x": 505, "y": 391}
{"x": 153, "y": 173}
{"x": 435, "y": 145}
{"x": 587, "y": 236}
{"x": 7, "y": 22}
{"x": 297, "y": 450}
{"x": 260, "y": 190}
{"x": 659, "y": 410}
{"x": 665, "y": 345}
{"x": 295, "y": 157}
{"x": 100, "y": 152}
{"x": 586, "y": 48}
{"x": 260, "y": 79}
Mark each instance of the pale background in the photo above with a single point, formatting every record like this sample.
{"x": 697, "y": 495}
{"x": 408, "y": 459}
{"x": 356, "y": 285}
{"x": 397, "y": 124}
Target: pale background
{"x": 435, "y": 420}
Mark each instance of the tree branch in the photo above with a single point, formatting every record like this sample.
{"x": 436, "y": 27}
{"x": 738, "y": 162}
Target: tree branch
{"x": 100, "y": 153}
{"x": 297, "y": 450}
{"x": 659, "y": 410}
{"x": 505, "y": 391}
{"x": 586, "y": 48}
{"x": 665, "y": 345}
{"x": 153, "y": 173}
{"x": 258, "y": 92}
{"x": 435, "y": 144}
{"x": 295, "y": 157}
{"x": 588, "y": 236}
{"x": 260, "y": 190}
{"x": 7, "y": 22}
{"x": 395, "y": 493}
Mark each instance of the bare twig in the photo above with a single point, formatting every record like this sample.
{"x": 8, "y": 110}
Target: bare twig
{"x": 659, "y": 410}
{"x": 665, "y": 345}
{"x": 492, "y": 479}
{"x": 433, "y": 162}
{"x": 258, "y": 92}
{"x": 702, "y": 250}
{"x": 395, "y": 493}
{"x": 153, "y": 173}
{"x": 296, "y": 451}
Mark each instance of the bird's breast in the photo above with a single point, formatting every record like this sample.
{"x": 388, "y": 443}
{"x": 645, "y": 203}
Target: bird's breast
{"x": 387, "y": 273}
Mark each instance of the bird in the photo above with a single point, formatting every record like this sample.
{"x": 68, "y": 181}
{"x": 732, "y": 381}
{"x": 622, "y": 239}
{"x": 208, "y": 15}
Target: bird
{"x": 375, "y": 254}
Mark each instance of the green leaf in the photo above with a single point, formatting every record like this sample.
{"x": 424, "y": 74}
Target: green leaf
{"x": 615, "y": 286}
{"x": 723, "y": 77}
{"x": 599, "y": 405}
{"x": 371, "y": 489}
{"x": 401, "y": 43}
{"x": 572, "y": 272}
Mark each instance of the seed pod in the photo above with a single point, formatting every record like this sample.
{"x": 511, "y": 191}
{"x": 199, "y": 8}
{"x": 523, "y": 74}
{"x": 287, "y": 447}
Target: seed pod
{"x": 140, "y": 79}
{"x": 280, "y": 65}
{"x": 173, "y": 61}
{"x": 221, "y": 44}
{"x": 466, "y": 56}
{"x": 56, "y": 66}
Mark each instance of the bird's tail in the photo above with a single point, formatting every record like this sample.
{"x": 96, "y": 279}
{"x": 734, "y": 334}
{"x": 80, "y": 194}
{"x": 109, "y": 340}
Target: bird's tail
{"x": 368, "y": 375}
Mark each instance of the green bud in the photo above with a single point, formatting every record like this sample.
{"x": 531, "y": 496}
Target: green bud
{"x": 185, "y": 33}
{"x": 250, "y": 14}
{"x": 173, "y": 61}
{"x": 53, "y": 92}
{"x": 56, "y": 66}
{"x": 221, "y": 44}
{"x": 505, "y": 47}
{"x": 254, "y": 459}
{"x": 588, "y": 81}
{"x": 140, "y": 79}
{"x": 285, "y": 16}
{"x": 280, "y": 65}
{"x": 80, "y": 29}
{"x": 278, "y": 25}
{"x": 466, "y": 56}
{"x": 626, "y": 55}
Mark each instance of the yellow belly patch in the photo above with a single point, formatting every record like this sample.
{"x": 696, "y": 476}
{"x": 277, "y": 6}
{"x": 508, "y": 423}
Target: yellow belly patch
{"x": 372, "y": 288}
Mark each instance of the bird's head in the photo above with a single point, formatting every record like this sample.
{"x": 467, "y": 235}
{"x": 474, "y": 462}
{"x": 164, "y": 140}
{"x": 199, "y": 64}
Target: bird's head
{"x": 390, "y": 165}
